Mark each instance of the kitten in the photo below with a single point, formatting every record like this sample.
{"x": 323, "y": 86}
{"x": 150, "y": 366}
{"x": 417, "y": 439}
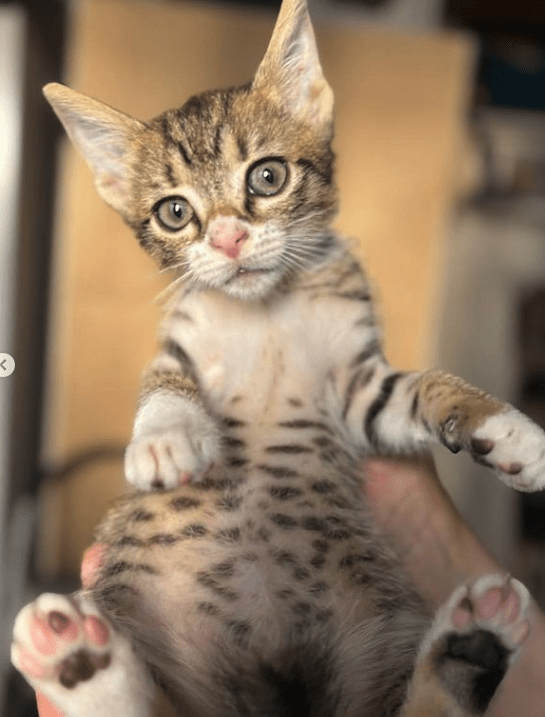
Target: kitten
{"x": 246, "y": 573}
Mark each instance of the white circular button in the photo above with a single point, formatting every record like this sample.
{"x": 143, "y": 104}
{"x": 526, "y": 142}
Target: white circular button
{"x": 7, "y": 365}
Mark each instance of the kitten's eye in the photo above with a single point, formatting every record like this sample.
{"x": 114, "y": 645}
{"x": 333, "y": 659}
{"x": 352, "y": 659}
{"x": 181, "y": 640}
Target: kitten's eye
{"x": 267, "y": 177}
{"x": 173, "y": 213}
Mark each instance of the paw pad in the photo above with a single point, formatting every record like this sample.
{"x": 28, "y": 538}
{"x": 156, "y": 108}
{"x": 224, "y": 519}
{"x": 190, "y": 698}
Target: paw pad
{"x": 57, "y": 639}
{"x": 514, "y": 446}
{"x": 475, "y": 637}
{"x": 75, "y": 659}
{"x": 58, "y": 622}
{"x": 80, "y": 667}
{"x": 494, "y": 603}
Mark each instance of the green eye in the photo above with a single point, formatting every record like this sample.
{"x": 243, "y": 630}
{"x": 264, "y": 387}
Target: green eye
{"x": 173, "y": 213}
{"x": 267, "y": 177}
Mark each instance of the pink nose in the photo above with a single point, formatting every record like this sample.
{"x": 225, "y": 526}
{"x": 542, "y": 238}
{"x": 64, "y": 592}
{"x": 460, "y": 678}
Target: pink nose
{"x": 228, "y": 235}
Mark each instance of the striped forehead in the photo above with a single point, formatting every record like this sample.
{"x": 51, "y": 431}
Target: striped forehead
{"x": 203, "y": 132}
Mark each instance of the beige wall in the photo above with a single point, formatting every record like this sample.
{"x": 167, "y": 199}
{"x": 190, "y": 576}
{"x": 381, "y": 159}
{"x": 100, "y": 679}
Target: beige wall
{"x": 400, "y": 105}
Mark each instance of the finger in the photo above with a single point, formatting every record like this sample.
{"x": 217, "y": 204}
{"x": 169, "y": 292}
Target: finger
{"x": 45, "y": 708}
{"x": 431, "y": 538}
{"x": 407, "y": 486}
{"x": 90, "y": 565}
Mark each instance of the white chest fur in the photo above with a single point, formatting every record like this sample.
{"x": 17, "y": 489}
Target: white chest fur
{"x": 260, "y": 353}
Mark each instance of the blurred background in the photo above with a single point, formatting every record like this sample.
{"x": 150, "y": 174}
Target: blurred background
{"x": 441, "y": 145}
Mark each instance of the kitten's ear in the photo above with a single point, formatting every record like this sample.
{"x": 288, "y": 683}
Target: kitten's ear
{"x": 291, "y": 69}
{"x": 105, "y": 138}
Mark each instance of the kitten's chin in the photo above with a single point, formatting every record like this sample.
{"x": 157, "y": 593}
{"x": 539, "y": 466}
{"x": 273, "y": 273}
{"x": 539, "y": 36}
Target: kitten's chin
{"x": 252, "y": 285}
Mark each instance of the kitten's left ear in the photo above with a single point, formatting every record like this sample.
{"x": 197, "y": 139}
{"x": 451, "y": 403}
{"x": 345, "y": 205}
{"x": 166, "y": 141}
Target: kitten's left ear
{"x": 291, "y": 70}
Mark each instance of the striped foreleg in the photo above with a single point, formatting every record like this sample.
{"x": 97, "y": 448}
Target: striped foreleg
{"x": 392, "y": 411}
{"x": 174, "y": 438}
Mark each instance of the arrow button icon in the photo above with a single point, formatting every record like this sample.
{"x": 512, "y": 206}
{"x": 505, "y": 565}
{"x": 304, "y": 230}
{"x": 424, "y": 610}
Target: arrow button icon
{"x": 7, "y": 365}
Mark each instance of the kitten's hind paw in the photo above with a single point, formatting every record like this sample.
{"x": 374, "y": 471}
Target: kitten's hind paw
{"x": 514, "y": 446}
{"x": 496, "y": 603}
{"x": 68, "y": 651}
{"x": 476, "y": 636}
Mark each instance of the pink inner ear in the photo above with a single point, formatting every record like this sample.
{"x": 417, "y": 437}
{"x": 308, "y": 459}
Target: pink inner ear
{"x": 113, "y": 189}
{"x": 112, "y": 182}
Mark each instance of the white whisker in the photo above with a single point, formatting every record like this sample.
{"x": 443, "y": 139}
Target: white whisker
{"x": 167, "y": 293}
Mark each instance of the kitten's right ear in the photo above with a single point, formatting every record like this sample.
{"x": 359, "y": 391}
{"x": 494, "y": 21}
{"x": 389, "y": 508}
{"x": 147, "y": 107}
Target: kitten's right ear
{"x": 105, "y": 138}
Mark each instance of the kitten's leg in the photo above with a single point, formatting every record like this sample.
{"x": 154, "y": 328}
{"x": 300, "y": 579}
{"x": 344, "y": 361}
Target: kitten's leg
{"x": 474, "y": 639}
{"x": 70, "y": 653}
{"x": 405, "y": 411}
{"x": 174, "y": 438}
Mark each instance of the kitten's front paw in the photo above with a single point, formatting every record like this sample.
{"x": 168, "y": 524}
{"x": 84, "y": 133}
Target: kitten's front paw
{"x": 514, "y": 446}
{"x": 66, "y": 650}
{"x": 169, "y": 456}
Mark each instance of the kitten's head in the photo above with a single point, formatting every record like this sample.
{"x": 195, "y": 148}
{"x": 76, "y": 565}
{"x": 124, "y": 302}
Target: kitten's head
{"x": 236, "y": 187}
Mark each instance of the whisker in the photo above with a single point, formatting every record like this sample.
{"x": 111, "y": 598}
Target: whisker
{"x": 169, "y": 290}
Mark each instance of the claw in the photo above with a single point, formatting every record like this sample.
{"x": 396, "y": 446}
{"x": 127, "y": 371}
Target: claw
{"x": 481, "y": 446}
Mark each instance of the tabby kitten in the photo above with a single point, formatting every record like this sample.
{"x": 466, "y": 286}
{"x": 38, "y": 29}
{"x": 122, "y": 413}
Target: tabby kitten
{"x": 246, "y": 575}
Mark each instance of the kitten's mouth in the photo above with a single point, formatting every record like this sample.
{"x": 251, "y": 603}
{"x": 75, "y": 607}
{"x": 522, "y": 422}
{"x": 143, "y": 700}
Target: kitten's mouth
{"x": 248, "y": 282}
{"x": 243, "y": 271}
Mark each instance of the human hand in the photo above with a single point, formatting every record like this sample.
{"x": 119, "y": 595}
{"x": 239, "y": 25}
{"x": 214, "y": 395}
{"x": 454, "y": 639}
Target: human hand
{"x": 45, "y": 708}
